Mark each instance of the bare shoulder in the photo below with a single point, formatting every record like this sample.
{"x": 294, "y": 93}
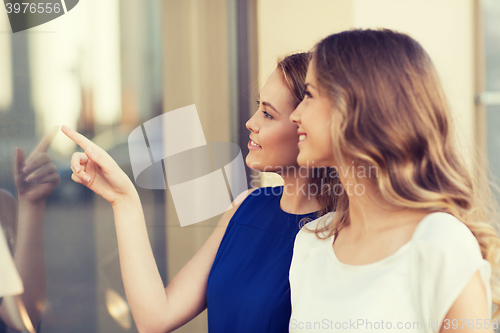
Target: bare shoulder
{"x": 224, "y": 221}
{"x": 242, "y": 196}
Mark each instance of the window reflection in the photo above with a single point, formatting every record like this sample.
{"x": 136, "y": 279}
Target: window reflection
{"x": 79, "y": 70}
{"x": 5, "y": 64}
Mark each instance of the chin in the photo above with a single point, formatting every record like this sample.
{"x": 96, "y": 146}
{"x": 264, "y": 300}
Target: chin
{"x": 248, "y": 161}
{"x": 305, "y": 157}
{"x": 310, "y": 162}
{"x": 302, "y": 160}
{"x": 252, "y": 163}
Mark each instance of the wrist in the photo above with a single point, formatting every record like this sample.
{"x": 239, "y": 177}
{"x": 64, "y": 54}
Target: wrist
{"x": 32, "y": 203}
{"x": 126, "y": 200}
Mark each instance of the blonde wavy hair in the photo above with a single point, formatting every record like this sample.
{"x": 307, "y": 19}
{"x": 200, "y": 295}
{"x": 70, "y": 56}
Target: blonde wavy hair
{"x": 391, "y": 113}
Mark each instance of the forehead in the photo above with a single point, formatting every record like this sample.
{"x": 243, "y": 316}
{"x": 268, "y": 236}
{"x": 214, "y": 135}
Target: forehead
{"x": 276, "y": 92}
{"x": 311, "y": 74}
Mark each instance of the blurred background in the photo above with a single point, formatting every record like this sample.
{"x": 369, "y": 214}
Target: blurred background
{"x": 107, "y": 66}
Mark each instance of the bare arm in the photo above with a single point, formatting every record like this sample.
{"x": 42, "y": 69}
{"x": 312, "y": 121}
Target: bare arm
{"x": 35, "y": 179}
{"x": 154, "y": 308}
{"x": 469, "y": 309}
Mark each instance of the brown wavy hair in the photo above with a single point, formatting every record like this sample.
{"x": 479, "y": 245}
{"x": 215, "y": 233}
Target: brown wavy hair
{"x": 293, "y": 70}
{"x": 391, "y": 113}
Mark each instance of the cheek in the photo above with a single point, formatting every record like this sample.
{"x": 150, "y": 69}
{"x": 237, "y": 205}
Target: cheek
{"x": 328, "y": 142}
{"x": 326, "y": 136}
{"x": 285, "y": 141}
{"x": 289, "y": 136}
{"x": 319, "y": 130}
{"x": 281, "y": 134}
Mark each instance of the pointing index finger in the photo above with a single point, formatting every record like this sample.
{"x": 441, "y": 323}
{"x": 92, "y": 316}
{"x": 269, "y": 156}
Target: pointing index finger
{"x": 46, "y": 141}
{"x": 18, "y": 161}
{"x": 44, "y": 144}
{"x": 96, "y": 153}
{"x": 79, "y": 139}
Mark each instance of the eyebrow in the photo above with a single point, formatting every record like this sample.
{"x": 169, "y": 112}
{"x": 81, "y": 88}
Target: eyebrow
{"x": 309, "y": 85}
{"x": 271, "y": 106}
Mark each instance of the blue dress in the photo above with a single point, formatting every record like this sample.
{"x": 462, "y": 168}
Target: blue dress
{"x": 248, "y": 288}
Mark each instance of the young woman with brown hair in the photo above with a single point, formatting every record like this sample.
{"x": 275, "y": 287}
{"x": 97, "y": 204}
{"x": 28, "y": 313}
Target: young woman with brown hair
{"x": 412, "y": 245}
{"x": 241, "y": 272}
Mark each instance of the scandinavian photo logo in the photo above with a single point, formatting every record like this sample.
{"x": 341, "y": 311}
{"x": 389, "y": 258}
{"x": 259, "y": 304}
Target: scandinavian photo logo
{"x": 203, "y": 179}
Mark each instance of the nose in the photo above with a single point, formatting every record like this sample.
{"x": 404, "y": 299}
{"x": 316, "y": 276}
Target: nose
{"x": 251, "y": 124}
{"x": 295, "y": 115}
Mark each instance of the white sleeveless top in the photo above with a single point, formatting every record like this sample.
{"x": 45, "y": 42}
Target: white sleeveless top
{"x": 410, "y": 290}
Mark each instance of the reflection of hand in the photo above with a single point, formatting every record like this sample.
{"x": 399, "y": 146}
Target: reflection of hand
{"x": 98, "y": 171}
{"x": 37, "y": 177}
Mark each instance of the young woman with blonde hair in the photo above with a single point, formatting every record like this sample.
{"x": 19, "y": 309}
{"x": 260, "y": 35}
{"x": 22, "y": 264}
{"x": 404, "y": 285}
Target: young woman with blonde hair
{"x": 412, "y": 245}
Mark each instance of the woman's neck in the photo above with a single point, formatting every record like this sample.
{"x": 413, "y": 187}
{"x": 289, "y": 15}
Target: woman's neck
{"x": 370, "y": 213}
{"x": 299, "y": 195}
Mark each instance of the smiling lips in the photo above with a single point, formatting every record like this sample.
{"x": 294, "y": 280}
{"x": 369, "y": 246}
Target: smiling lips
{"x": 302, "y": 137}
{"x": 253, "y": 145}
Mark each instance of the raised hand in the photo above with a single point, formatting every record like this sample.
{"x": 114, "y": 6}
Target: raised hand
{"x": 37, "y": 177}
{"x": 98, "y": 171}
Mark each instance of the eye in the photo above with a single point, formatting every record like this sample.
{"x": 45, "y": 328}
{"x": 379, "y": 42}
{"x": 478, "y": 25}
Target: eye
{"x": 307, "y": 94}
{"x": 267, "y": 115}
